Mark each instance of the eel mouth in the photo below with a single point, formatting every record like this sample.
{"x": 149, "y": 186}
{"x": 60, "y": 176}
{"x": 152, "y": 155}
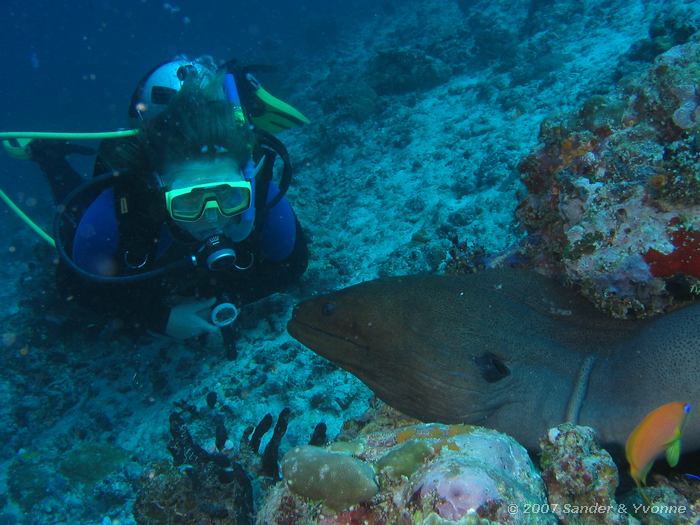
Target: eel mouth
{"x": 337, "y": 348}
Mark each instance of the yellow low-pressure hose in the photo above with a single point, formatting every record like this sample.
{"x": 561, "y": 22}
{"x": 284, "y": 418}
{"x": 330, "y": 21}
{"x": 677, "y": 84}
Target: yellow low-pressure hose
{"x": 60, "y": 135}
{"x": 26, "y": 219}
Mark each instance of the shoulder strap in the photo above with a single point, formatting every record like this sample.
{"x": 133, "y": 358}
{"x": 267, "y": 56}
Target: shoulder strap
{"x": 271, "y": 146}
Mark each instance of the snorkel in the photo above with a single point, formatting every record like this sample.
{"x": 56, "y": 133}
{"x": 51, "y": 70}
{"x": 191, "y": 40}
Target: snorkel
{"x": 231, "y": 93}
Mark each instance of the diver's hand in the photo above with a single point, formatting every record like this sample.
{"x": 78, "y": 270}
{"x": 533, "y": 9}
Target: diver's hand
{"x": 18, "y": 148}
{"x": 191, "y": 318}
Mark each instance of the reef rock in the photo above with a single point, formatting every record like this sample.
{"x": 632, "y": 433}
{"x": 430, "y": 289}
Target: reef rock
{"x": 581, "y": 478}
{"x": 414, "y": 475}
{"x": 613, "y": 202}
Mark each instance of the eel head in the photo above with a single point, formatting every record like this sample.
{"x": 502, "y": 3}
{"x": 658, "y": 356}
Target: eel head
{"x": 407, "y": 339}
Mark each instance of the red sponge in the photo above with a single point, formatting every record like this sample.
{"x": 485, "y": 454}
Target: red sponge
{"x": 684, "y": 259}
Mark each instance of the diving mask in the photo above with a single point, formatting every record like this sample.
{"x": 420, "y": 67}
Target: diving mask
{"x": 189, "y": 204}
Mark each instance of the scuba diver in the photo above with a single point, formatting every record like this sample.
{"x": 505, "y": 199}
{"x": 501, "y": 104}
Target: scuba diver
{"x": 183, "y": 221}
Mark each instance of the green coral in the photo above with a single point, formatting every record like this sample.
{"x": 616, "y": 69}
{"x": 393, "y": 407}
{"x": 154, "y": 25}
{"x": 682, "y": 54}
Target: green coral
{"x": 406, "y": 459}
{"x": 338, "y": 480}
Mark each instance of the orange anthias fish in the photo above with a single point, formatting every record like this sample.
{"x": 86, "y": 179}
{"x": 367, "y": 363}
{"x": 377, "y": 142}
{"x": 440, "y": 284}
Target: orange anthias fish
{"x": 660, "y": 430}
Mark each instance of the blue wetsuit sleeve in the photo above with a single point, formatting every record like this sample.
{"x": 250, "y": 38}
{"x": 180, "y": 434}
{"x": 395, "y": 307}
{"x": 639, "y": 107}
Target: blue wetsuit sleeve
{"x": 97, "y": 237}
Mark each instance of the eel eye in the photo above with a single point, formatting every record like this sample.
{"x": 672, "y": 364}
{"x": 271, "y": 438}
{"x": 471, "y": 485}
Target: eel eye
{"x": 328, "y": 309}
{"x": 491, "y": 367}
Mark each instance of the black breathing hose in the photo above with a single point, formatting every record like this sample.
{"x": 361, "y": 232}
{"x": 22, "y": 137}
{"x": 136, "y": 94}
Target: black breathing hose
{"x": 65, "y": 206}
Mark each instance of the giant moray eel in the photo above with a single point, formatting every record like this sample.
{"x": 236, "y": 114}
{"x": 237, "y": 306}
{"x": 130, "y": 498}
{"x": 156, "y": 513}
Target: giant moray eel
{"x": 506, "y": 349}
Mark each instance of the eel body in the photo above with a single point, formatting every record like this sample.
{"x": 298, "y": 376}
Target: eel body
{"x": 505, "y": 349}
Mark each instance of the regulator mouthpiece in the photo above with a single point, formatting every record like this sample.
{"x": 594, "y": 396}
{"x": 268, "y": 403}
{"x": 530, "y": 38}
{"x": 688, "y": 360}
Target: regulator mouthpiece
{"x": 217, "y": 253}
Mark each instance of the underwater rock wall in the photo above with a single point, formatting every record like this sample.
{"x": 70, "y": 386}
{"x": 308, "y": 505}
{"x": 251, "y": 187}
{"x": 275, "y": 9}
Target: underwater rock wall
{"x": 438, "y": 160}
{"x": 613, "y": 195}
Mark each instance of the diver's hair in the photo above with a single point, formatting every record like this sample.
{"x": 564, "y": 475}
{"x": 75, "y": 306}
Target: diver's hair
{"x": 198, "y": 123}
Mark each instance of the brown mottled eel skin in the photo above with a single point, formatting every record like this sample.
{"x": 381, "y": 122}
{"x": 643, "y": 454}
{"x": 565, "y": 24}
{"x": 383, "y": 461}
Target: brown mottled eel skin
{"x": 506, "y": 349}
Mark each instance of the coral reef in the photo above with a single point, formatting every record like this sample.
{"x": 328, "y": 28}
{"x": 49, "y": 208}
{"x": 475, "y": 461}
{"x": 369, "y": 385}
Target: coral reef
{"x": 207, "y": 486}
{"x": 581, "y": 481}
{"x": 385, "y": 183}
{"x": 168, "y": 497}
{"x": 417, "y": 474}
{"x": 613, "y": 200}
